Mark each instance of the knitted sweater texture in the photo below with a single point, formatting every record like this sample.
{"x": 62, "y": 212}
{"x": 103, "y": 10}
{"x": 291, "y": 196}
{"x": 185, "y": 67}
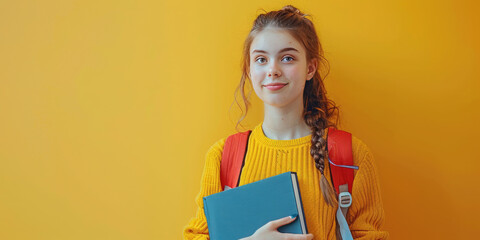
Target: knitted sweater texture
{"x": 268, "y": 157}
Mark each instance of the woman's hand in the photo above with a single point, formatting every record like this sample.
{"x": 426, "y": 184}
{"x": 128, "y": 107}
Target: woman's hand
{"x": 269, "y": 231}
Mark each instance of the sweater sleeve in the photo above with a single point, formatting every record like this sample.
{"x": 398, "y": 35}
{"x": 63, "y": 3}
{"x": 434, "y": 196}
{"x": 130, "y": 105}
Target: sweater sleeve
{"x": 366, "y": 215}
{"x": 197, "y": 228}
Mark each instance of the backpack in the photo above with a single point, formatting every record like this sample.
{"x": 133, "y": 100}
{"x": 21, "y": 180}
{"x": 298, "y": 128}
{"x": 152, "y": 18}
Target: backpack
{"x": 339, "y": 146}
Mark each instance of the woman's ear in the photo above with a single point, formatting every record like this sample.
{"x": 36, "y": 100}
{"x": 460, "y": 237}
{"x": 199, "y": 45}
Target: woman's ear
{"x": 312, "y": 68}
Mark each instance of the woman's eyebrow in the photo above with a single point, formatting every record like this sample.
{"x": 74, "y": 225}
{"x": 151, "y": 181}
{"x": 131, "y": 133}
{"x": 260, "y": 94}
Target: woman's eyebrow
{"x": 283, "y": 50}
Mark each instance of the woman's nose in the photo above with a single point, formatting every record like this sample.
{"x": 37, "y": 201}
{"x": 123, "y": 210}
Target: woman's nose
{"x": 274, "y": 71}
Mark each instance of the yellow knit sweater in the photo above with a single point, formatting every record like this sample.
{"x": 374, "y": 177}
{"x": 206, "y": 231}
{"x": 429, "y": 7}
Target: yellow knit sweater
{"x": 268, "y": 157}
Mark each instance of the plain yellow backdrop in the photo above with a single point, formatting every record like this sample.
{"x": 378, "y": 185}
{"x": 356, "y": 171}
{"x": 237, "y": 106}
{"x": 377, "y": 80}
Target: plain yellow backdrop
{"x": 107, "y": 109}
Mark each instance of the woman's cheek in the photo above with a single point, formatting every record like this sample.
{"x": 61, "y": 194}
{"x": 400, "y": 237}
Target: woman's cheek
{"x": 257, "y": 78}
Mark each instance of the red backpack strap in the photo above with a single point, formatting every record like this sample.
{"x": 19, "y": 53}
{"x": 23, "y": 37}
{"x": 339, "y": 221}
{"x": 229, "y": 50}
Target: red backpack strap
{"x": 340, "y": 153}
{"x": 233, "y": 158}
{"x": 340, "y": 158}
{"x": 339, "y": 145}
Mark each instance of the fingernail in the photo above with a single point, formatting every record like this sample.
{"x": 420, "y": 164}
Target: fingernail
{"x": 293, "y": 216}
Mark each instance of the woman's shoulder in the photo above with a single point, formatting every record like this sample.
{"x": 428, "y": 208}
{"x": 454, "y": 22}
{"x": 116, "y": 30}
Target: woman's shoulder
{"x": 361, "y": 152}
{"x": 216, "y": 149}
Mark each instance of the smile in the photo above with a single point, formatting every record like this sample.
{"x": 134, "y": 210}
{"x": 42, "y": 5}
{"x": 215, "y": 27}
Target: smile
{"x": 275, "y": 87}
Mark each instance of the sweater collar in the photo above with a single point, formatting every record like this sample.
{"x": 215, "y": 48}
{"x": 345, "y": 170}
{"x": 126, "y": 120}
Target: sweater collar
{"x": 259, "y": 135}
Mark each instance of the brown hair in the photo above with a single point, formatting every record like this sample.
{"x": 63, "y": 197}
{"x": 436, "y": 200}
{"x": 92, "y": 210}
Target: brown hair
{"x": 318, "y": 110}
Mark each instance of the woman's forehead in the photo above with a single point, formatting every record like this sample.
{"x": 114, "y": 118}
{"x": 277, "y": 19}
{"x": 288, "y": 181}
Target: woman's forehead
{"x": 272, "y": 41}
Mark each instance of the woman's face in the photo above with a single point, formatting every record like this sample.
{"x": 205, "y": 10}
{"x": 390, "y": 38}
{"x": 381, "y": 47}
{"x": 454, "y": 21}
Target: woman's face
{"x": 278, "y": 58}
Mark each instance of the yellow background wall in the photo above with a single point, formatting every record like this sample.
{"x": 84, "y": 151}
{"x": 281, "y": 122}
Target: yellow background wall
{"x": 107, "y": 109}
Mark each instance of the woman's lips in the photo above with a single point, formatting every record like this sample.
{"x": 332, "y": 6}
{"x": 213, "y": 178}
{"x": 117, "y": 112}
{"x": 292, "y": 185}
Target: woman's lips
{"x": 275, "y": 87}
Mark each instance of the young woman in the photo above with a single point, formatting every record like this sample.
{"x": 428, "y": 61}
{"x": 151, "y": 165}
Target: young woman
{"x": 282, "y": 60}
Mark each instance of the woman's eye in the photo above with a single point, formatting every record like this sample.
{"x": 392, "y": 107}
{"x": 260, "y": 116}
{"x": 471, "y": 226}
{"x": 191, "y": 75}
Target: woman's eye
{"x": 288, "y": 57}
{"x": 260, "y": 59}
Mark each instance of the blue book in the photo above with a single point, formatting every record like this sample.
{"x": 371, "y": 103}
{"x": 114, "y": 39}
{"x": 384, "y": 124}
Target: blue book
{"x": 238, "y": 212}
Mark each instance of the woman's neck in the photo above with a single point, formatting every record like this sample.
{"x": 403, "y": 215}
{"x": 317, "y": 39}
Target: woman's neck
{"x": 284, "y": 123}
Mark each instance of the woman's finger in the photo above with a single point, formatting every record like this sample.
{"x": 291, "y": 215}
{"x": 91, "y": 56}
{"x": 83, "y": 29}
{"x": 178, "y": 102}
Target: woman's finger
{"x": 280, "y": 222}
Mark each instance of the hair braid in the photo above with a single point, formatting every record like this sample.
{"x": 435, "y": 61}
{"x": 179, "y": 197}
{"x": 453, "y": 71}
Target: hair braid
{"x": 316, "y": 119}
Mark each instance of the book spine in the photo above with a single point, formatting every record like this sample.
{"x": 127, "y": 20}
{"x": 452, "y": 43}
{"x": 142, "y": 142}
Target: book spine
{"x": 301, "y": 203}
